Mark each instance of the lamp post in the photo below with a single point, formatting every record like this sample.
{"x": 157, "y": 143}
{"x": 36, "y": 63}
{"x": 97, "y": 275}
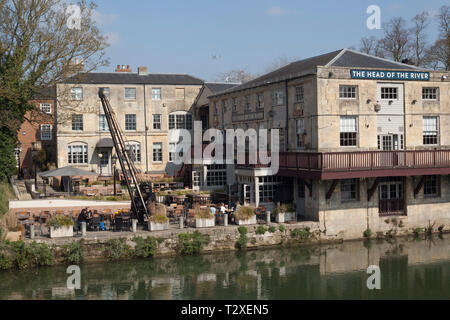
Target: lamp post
{"x": 34, "y": 152}
{"x": 113, "y": 160}
{"x": 100, "y": 156}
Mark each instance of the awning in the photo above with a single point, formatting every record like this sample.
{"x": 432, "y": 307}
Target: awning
{"x": 67, "y": 172}
{"x": 105, "y": 143}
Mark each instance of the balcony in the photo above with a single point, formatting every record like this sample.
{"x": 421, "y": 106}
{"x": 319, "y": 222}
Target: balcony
{"x": 362, "y": 164}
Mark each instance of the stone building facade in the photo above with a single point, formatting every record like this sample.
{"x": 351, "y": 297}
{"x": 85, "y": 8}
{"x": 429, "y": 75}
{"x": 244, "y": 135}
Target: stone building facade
{"x": 147, "y": 106}
{"x": 364, "y": 142}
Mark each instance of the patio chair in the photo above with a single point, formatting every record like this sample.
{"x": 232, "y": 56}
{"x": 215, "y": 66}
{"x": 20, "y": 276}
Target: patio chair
{"x": 95, "y": 223}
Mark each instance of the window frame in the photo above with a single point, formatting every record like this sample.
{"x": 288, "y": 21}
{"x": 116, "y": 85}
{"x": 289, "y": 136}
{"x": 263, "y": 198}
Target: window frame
{"x": 157, "y": 124}
{"x": 74, "y": 96}
{"x": 105, "y": 127}
{"x": 348, "y": 92}
{"x": 50, "y": 132}
{"x": 84, "y": 153}
{"x": 106, "y": 91}
{"x": 352, "y": 186}
{"x": 77, "y": 124}
{"x": 128, "y": 122}
{"x": 158, "y": 155}
{"x": 42, "y": 106}
{"x": 426, "y": 95}
{"x": 156, "y": 96}
{"x": 428, "y": 189}
{"x": 346, "y": 135}
{"x": 278, "y": 97}
{"x": 300, "y": 93}
{"x": 127, "y": 97}
{"x": 134, "y": 146}
{"x": 430, "y": 137}
{"x": 392, "y": 95}
{"x": 260, "y": 102}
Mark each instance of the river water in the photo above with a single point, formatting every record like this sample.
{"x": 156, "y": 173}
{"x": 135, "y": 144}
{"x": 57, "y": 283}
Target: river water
{"x": 409, "y": 269}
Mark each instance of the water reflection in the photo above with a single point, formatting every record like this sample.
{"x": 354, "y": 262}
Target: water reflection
{"x": 409, "y": 270}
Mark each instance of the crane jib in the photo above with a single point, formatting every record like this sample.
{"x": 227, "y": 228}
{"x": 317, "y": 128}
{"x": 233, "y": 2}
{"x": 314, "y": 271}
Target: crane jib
{"x": 129, "y": 171}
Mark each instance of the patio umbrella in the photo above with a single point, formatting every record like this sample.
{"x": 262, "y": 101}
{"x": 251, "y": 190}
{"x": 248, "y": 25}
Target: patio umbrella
{"x": 67, "y": 172}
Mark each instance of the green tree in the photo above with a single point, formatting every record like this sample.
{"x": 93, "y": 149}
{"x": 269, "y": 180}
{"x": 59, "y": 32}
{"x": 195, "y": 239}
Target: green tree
{"x": 37, "y": 45}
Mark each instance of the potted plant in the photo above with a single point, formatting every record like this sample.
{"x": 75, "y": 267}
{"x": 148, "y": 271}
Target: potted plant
{"x": 284, "y": 213}
{"x": 204, "y": 218}
{"x": 158, "y": 218}
{"x": 60, "y": 227}
{"x": 245, "y": 216}
{"x": 13, "y": 230}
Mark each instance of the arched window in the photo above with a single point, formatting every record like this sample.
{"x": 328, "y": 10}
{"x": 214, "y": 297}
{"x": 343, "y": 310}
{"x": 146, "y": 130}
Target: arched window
{"x": 77, "y": 153}
{"x": 180, "y": 120}
{"x": 134, "y": 150}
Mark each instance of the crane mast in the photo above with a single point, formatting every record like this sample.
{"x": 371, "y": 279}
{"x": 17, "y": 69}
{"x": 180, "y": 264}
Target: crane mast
{"x": 142, "y": 192}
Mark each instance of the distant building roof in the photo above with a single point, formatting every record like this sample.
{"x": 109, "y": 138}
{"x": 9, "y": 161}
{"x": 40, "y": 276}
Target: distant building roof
{"x": 212, "y": 88}
{"x": 133, "y": 78}
{"x": 44, "y": 94}
{"x": 340, "y": 58}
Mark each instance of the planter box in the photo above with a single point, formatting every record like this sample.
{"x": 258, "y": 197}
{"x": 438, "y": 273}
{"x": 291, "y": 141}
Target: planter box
{"x": 290, "y": 216}
{"x": 153, "y": 226}
{"x": 14, "y": 236}
{"x": 204, "y": 223}
{"x": 62, "y": 232}
{"x": 280, "y": 217}
{"x": 252, "y": 220}
{"x": 285, "y": 217}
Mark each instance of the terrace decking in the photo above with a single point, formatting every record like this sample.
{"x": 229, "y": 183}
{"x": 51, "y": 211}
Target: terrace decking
{"x": 361, "y": 164}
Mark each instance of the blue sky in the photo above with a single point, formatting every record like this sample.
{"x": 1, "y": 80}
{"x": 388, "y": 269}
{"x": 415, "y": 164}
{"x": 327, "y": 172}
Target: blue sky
{"x": 179, "y": 36}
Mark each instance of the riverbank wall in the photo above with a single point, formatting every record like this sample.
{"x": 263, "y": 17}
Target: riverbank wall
{"x": 219, "y": 239}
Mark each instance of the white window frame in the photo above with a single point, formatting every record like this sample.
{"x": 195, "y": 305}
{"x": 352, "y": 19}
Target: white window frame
{"x": 429, "y": 95}
{"x": 157, "y": 152}
{"x": 430, "y": 130}
{"x": 83, "y": 154}
{"x": 180, "y": 120}
{"x": 278, "y": 97}
{"x": 46, "y": 134}
{"x": 299, "y": 93}
{"x": 103, "y": 123}
{"x": 345, "y": 127}
{"x": 76, "y": 93}
{"x": 156, "y": 94}
{"x": 128, "y": 95}
{"x": 75, "y": 125}
{"x": 46, "y": 108}
{"x": 106, "y": 91}
{"x": 136, "y": 149}
{"x": 156, "y": 119}
{"x": 348, "y": 91}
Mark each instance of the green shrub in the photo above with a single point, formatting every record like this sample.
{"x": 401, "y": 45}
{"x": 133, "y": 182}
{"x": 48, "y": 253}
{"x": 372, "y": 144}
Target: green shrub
{"x": 191, "y": 243}
{"x": 112, "y": 198}
{"x": 73, "y": 253}
{"x": 282, "y": 228}
{"x": 23, "y": 256}
{"x": 116, "y": 249}
{"x": 272, "y": 229}
{"x": 261, "y": 230}
{"x": 367, "y": 233}
{"x": 242, "y": 241}
{"x": 159, "y": 218}
{"x": 203, "y": 213}
{"x": 302, "y": 234}
{"x": 145, "y": 248}
{"x": 60, "y": 221}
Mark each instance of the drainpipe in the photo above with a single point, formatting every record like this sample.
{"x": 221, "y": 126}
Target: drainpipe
{"x": 145, "y": 128}
{"x": 287, "y": 116}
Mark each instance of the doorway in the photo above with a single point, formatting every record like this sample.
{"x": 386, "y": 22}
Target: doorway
{"x": 104, "y": 158}
{"x": 391, "y": 196}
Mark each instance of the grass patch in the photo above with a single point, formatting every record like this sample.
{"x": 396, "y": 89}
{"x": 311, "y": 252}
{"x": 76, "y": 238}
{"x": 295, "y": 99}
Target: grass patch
{"x": 261, "y": 230}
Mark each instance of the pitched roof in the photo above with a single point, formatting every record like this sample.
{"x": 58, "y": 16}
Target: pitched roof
{"x": 340, "y": 58}
{"x": 133, "y": 78}
{"x": 217, "y": 87}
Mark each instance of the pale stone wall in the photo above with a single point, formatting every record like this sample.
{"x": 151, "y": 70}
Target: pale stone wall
{"x": 91, "y": 108}
{"x": 348, "y": 220}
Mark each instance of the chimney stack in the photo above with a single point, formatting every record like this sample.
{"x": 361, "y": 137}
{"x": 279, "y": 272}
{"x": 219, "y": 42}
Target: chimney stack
{"x": 123, "y": 68}
{"x": 142, "y": 71}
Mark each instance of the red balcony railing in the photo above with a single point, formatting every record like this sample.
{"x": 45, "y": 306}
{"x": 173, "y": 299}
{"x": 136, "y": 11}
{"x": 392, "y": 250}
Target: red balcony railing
{"x": 334, "y": 162}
